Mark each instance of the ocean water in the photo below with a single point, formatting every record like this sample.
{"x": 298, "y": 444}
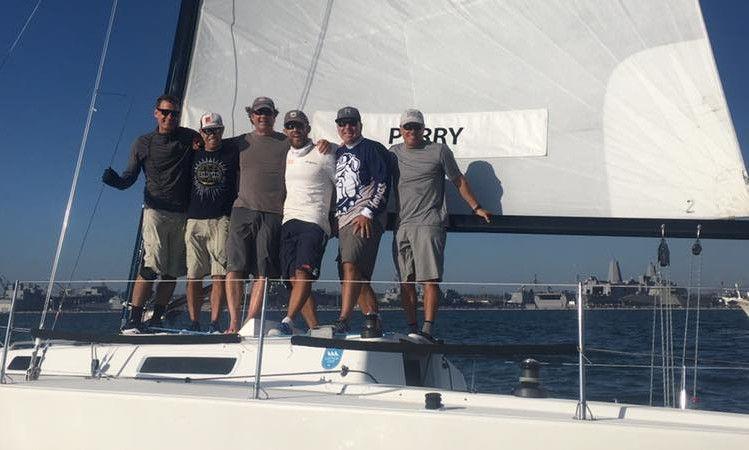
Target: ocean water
{"x": 723, "y": 350}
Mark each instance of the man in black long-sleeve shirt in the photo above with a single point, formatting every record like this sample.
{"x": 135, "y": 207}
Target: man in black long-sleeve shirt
{"x": 165, "y": 156}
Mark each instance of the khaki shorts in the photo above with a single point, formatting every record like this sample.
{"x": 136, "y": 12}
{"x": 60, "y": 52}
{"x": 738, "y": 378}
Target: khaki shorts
{"x": 352, "y": 248}
{"x": 164, "y": 242}
{"x": 419, "y": 252}
{"x": 206, "y": 246}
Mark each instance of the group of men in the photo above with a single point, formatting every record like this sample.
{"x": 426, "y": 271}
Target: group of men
{"x": 266, "y": 203}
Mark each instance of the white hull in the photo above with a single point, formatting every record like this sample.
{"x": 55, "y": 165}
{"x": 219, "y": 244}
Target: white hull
{"x": 314, "y": 411}
{"x": 100, "y": 414}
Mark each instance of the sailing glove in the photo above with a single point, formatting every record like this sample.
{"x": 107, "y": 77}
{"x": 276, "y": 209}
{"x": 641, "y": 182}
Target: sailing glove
{"x": 111, "y": 178}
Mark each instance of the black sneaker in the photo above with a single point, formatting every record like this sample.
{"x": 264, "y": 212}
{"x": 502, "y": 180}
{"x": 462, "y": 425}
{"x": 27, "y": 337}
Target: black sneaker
{"x": 194, "y": 326}
{"x": 372, "y": 327}
{"x": 215, "y": 328}
{"x": 132, "y": 327}
{"x": 424, "y": 338}
{"x": 341, "y": 327}
{"x": 153, "y": 322}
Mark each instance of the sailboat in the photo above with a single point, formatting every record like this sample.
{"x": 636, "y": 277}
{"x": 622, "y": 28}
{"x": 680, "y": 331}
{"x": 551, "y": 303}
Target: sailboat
{"x": 587, "y": 117}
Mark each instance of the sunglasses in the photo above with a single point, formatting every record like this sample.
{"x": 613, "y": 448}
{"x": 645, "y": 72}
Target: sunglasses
{"x": 263, "y": 112}
{"x": 412, "y": 126}
{"x": 343, "y": 122}
{"x": 168, "y": 112}
{"x": 294, "y": 126}
{"x": 211, "y": 131}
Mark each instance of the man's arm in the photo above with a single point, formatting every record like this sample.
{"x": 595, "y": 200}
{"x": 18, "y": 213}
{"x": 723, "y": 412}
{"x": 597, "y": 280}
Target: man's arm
{"x": 377, "y": 202}
{"x": 131, "y": 172}
{"x": 450, "y": 166}
{"x": 466, "y": 193}
{"x": 380, "y": 174}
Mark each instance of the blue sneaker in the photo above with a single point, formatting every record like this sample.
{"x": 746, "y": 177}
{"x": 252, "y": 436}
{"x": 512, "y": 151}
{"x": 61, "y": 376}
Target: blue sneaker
{"x": 283, "y": 329}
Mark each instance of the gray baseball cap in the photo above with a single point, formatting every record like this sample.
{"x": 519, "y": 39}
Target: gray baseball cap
{"x": 296, "y": 116}
{"x": 348, "y": 112}
{"x": 412, "y": 116}
{"x": 260, "y": 103}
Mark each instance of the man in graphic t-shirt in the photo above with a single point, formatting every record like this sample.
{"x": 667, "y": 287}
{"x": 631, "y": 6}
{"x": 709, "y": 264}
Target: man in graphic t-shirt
{"x": 306, "y": 220}
{"x": 362, "y": 179}
{"x": 165, "y": 157}
{"x": 419, "y": 241}
{"x": 214, "y": 188}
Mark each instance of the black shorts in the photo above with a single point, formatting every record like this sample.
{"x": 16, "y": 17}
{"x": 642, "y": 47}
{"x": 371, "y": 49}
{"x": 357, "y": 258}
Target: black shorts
{"x": 302, "y": 247}
{"x": 253, "y": 241}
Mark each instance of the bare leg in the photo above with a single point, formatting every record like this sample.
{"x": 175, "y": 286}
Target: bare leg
{"x": 164, "y": 290}
{"x": 194, "y": 298}
{"x": 301, "y": 287}
{"x": 309, "y": 312}
{"x": 367, "y": 301}
{"x": 234, "y": 294}
{"x": 431, "y": 299}
{"x": 351, "y": 289}
{"x": 256, "y": 298}
{"x": 141, "y": 291}
{"x": 408, "y": 301}
{"x": 217, "y": 297}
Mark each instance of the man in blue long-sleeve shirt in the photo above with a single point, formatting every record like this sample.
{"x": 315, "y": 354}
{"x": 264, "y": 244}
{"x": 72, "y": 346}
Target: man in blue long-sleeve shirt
{"x": 165, "y": 156}
{"x": 362, "y": 179}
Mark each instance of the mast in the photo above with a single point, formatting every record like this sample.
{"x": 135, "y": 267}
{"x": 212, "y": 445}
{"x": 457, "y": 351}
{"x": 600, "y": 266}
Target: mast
{"x": 176, "y": 82}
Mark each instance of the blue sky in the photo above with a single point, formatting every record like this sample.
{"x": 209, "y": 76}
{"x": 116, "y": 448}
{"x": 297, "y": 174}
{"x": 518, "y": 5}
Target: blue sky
{"x": 45, "y": 89}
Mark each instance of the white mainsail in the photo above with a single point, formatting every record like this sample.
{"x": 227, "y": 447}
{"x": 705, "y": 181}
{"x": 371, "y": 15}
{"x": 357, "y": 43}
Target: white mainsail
{"x": 564, "y": 108}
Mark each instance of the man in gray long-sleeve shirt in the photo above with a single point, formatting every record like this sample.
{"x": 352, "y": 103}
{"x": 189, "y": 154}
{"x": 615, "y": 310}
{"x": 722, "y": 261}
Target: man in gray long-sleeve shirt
{"x": 165, "y": 157}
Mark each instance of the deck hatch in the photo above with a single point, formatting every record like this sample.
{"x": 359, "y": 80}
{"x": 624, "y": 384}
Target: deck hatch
{"x": 188, "y": 364}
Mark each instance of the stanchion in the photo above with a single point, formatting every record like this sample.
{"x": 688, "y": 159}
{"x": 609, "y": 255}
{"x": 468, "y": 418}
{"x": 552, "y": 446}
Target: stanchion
{"x": 260, "y": 341}
{"x": 581, "y": 412}
{"x": 8, "y": 332}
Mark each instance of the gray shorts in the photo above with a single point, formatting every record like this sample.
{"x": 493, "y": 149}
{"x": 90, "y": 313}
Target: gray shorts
{"x": 355, "y": 249}
{"x": 419, "y": 252}
{"x": 254, "y": 242}
{"x": 164, "y": 242}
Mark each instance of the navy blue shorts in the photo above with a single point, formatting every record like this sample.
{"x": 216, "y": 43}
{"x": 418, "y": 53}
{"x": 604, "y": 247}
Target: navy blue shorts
{"x": 302, "y": 247}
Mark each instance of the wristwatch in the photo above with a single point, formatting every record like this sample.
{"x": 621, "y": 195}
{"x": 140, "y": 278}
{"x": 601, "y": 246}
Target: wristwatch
{"x": 477, "y": 207}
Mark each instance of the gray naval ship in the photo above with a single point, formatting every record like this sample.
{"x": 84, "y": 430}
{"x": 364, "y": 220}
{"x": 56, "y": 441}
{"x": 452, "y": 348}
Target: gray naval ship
{"x": 30, "y": 297}
{"x": 647, "y": 290}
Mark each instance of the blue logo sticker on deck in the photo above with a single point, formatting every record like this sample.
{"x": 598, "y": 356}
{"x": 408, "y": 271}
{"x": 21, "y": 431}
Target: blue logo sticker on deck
{"x": 331, "y": 357}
